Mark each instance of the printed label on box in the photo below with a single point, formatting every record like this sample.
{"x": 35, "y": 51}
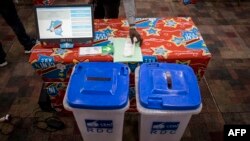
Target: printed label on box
{"x": 99, "y": 126}
{"x": 164, "y": 127}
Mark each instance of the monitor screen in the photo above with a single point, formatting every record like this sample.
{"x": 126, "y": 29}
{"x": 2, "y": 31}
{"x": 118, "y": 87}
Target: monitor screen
{"x": 65, "y": 23}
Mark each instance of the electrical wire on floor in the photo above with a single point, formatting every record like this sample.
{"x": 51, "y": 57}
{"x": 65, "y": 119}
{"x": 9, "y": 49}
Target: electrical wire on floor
{"x": 43, "y": 120}
{"x": 49, "y": 124}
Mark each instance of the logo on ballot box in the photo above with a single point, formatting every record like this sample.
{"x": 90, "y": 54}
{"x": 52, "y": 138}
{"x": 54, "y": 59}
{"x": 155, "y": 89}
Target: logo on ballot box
{"x": 240, "y": 132}
{"x": 99, "y": 126}
{"x": 164, "y": 127}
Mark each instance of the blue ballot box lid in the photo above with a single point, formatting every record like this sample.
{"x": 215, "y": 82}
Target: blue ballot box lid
{"x": 98, "y": 85}
{"x": 167, "y": 86}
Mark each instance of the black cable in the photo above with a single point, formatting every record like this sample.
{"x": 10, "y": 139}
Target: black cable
{"x": 7, "y": 129}
{"x": 38, "y": 122}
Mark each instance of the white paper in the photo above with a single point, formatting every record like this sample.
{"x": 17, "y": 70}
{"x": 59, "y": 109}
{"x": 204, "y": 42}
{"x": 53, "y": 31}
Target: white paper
{"x": 129, "y": 48}
{"x": 90, "y": 50}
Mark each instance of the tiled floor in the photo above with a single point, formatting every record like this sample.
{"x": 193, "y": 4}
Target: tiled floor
{"x": 225, "y": 88}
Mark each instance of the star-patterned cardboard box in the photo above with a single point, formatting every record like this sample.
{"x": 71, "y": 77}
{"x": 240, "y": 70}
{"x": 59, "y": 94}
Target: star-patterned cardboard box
{"x": 56, "y": 92}
{"x": 172, "y": 40}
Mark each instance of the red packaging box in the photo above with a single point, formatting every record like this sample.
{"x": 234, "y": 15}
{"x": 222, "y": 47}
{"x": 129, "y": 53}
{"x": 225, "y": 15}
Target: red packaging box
{"x": 172, "y": 40}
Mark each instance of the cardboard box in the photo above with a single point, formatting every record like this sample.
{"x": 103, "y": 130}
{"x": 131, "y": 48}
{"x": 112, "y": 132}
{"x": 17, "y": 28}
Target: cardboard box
{"x": 172, "y": 40}
{"x": 56, "y": 92}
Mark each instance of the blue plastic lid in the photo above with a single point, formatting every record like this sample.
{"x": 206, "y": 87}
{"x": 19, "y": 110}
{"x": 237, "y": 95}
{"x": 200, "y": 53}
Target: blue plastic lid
{"x": 100, "y": 86}
{"x": 168, "y": 87}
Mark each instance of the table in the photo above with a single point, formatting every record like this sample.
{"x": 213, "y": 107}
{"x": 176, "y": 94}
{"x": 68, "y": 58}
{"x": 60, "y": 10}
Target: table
{"x": 172, "y": 40}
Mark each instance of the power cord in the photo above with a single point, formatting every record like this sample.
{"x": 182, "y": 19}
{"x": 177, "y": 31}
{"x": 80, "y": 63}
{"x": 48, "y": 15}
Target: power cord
{"x": 49, "y": 124}
{"x": 46, "y": 121}
{"x": 7, "y": 128}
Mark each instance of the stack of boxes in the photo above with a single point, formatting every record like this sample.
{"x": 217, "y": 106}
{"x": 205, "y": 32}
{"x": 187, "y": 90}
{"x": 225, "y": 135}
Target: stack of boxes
{"x": 173, "y": 40}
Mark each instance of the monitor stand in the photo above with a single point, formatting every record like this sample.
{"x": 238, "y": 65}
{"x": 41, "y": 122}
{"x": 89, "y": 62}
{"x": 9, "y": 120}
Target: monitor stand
{"x": 66, "y": 44}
